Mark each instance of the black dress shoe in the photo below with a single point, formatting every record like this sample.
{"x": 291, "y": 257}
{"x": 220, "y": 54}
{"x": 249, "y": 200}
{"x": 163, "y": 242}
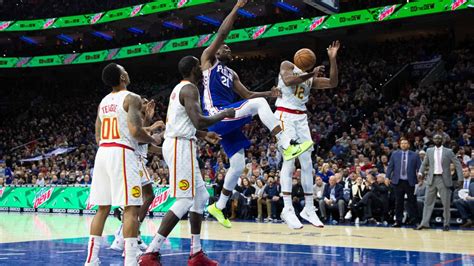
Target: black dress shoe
{"x": 467, "y": 224}
{"x": 420, "y": 227}
{"x": 396, "y": 225}
{"x": 446, "y": 228}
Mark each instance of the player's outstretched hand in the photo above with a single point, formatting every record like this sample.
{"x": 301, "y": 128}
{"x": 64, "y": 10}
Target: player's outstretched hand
{"x": 319, "y": 71}
{"x": 229, "y": 112}
{"x": 150, "y": 109}
{"x": 241, "y": 3}
{"x": 212, "y": 137}
{"x": 333, "y": 48}
{"x": 276, "y": 92}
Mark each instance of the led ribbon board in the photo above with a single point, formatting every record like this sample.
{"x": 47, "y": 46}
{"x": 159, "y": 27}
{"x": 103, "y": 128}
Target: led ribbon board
{"x": 373, "y": 15}
{"x": 101, "y": 17}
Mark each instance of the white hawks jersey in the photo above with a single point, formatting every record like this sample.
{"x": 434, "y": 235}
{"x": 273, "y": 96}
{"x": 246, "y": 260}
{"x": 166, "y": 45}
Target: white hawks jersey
{"x": 113, "y": 119}
{"x": 178, "y": 123}
{"x": 294, "y": 97}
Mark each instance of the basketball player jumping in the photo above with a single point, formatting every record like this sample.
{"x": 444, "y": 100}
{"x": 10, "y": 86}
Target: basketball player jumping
{"x": 184, "y": 116}
{"x": 221, "y": 84}
{"x": 296, "y": 84}
{"x": 116, "y": 180}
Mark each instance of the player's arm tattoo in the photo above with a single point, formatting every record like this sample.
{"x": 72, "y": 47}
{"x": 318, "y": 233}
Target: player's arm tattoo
{"x": 135, "y": 121}
{"x": 332, "y": 81}
{"x": 286, "y": 73}
{"x": 189, "y": 97}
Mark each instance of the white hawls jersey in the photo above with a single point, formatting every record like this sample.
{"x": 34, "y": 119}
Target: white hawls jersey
{"x": 294, "y": 97}
{"x": 178, "y": 123}
{"x": 113, "y": 120}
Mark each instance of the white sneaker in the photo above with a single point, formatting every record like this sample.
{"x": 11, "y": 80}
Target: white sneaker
{"x": 309, "y": 214}
{"x": 118, "y": 244}
{"x": 289, "y": 217}
{"x": 348, "y": 215}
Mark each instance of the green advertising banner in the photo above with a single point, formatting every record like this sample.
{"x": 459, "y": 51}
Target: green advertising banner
{"x": 47, "y": 60}
{"x": 372, "y": 15}
{"x": 429, "y": 7}
{"x": 91, "y": 57}
{"x": 101, "y": 17}
{"x": 8, "y": 62}
{"x": 69, "y": 198}
{"x": 286, "y": 28}
{"x": 180, "y": 44}
{"x": 348, "y": 19}
{"x": 71, "y": 21}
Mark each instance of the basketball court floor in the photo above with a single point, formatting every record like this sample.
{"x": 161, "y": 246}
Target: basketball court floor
{"x": 59, "y": 239}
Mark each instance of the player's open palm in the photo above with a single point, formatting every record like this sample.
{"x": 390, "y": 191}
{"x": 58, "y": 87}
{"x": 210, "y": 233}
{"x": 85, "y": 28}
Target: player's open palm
{"x": 212, "y": 137}
{"x": 150, "y": 109}
{"x": 333, "y": 48}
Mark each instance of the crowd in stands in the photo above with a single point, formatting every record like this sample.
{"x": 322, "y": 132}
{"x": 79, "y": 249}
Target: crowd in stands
{"x": 355, "y": 127}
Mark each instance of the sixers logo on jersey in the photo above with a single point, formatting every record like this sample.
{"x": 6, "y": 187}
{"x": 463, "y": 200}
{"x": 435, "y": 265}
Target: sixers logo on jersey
{"x": 227, "y": 78}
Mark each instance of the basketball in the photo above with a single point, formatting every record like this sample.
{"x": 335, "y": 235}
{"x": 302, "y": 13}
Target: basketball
{"x": 305, "y": 59}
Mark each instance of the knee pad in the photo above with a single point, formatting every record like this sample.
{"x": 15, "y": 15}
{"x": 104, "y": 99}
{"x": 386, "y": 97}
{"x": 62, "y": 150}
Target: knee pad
{"x": 200, "y": 200}
{"x": 181, "y": 206}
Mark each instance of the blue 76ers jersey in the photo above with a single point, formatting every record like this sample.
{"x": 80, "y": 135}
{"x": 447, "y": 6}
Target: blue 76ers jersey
{"x": 218, "y": 82}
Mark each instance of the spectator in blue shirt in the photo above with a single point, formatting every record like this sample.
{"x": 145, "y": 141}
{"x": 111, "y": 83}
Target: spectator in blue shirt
{"x": 272, "y": 198}
{"x": 337, "y": 149}
{"x": 325, "y": 173}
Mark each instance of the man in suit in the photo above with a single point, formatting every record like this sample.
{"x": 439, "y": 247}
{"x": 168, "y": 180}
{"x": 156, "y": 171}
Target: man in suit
{"x": 332, "y": 199}
{"x": 439, "y": 179}
{"x": 402, "y": 171}
{"x": 465, "y": 205}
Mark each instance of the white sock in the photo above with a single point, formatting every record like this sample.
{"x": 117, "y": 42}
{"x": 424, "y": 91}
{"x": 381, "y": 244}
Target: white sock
{"x": 287, "y": 201}
{"x": 119, "y": 232}
{"x": 195, "y": 244}
{"x": 93, "y": 248}
{"x": 222, "y": 201}
{"x": 283, "y": 139}
{"x": 131, "y": 251}
{"x": 308, "y": 201}
{"x": 156, "y": 243}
